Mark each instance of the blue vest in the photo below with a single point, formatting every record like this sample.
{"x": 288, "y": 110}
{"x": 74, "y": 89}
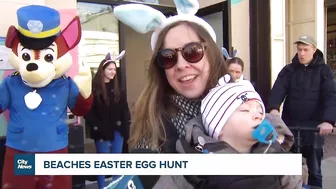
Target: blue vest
{"x": 43, "y": 129}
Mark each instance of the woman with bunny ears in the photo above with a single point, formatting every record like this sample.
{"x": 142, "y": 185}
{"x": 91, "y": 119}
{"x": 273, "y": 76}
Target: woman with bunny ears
{"x": 235, "y": 66}
{"x": 109, "y": 115}
{"x": 234, "y": 63}
{"x": 186, "y": 63}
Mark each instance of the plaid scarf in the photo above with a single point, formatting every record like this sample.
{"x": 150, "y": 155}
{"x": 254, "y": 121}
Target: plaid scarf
{"x": 187, "y": 110}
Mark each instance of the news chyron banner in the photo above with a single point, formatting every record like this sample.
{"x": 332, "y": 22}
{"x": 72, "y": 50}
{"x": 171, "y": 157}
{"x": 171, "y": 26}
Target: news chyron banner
{"x": 158, "y": 164}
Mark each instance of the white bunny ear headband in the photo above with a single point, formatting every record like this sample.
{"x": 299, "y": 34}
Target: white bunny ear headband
{"x": 144, "y": 19}
{"x": 226, "y": 53}
{"x": 226, "y": 79}
{"x": 109, "y": 58}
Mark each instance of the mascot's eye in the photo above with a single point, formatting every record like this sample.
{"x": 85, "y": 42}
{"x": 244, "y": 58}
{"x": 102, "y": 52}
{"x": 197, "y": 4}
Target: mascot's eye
{"x": 48, "y": 58}
{"x": 25, "y": 56}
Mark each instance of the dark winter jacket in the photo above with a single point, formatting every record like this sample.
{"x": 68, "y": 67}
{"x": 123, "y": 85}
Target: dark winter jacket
{"x": 309, "y": 93}
{"x": 103, "y": 119}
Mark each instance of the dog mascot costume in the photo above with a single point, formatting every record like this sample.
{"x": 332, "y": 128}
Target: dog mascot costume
{"x": 38, "y": 93}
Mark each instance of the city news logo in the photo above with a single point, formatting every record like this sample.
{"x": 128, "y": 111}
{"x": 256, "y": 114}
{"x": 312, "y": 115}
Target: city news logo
{"x": 24, "y": 164}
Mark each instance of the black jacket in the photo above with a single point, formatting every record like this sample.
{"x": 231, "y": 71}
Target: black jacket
{"x": 103, "y": 119}
{"x": 310, "y": 96}
{"x": 309, "y": 93}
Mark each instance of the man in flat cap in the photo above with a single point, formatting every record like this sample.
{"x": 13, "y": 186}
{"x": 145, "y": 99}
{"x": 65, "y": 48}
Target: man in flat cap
{"x": 308, "y": 88}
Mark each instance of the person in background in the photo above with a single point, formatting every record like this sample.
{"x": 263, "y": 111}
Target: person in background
{"x": 307, "y": 87}
{"x": 235, "y": 66}
{"x": 234, "y": 63}
{"x": 109, "y": 115}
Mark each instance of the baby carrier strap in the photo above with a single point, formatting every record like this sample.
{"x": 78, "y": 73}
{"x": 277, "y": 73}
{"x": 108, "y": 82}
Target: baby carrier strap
{"x": 196, "y": 181}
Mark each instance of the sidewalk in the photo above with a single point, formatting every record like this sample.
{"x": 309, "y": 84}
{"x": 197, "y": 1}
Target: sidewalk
{"x": 329, "y": 173}
{"x": 329, "y": 163}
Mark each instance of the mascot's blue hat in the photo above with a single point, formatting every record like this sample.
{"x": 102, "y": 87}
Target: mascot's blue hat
{"x": 37, "y": 21}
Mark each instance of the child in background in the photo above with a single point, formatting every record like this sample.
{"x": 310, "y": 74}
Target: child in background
{"x": 235, "y": 66}
{"x": 233, "y": 116}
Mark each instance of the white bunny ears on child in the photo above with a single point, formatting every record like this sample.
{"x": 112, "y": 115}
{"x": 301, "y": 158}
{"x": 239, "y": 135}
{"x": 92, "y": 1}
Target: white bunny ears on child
{"x": 109, "y": 58}
{"x": 144, "y": 19}
{"x": 226, "y": 79}
{"x": 227, "y": 55}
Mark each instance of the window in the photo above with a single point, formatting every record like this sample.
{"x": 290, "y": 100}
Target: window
{"x": 100, "y": 34}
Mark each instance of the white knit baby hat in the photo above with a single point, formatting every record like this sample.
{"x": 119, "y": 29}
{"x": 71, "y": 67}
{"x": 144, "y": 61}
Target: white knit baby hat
{"x": 223, "y": 100}
{"x": 143, "y": 18}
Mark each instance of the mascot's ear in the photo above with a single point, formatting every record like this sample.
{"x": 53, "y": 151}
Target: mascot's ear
{"x": 12, "y": 33}
{"x": 72, "y": 33}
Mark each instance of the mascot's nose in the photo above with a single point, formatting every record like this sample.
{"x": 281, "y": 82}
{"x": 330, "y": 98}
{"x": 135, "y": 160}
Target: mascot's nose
{"x": 31, "y": 67}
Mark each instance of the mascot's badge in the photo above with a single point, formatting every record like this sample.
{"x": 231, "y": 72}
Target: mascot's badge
{"x": 32, "y": 100}
{"x": 35, "y": 26}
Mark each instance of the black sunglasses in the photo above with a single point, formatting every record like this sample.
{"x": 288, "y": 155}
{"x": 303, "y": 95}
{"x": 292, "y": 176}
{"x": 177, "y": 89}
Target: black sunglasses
{"x": 192, "y": 52}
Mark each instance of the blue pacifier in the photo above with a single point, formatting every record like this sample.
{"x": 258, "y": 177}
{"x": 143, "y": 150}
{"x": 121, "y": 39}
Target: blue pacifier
{"x": 265, "y": 132}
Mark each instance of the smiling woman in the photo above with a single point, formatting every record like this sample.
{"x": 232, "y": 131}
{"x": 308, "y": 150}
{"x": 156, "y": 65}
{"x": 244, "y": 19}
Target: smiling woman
{"x": 185, "y": 65}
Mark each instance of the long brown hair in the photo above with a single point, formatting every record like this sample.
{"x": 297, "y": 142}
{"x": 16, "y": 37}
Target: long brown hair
{"x": 151, "y": 106}
{"x": 99, "y": 87}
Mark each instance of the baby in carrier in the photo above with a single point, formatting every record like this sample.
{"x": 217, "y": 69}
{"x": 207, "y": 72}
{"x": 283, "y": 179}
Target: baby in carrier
{"x": 233, "y": 120}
